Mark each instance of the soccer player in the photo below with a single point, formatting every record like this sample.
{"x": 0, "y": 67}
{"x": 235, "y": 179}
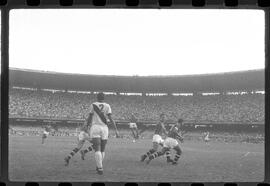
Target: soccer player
{"x": 99, "y": 113}
{"x": 206, "y": 137}
{"x": 82, "y": 138}
{"x": 170, "y": 143}
{"x": 157, "y": 139}
{"x": 133, "y": 127}
{"x": 46, "y": 133}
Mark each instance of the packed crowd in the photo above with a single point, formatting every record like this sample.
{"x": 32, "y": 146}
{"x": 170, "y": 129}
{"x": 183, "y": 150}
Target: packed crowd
{"x": 219, "y": 108}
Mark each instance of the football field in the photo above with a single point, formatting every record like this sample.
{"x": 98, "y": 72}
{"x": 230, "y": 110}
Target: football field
{"x": 29, "y": 160}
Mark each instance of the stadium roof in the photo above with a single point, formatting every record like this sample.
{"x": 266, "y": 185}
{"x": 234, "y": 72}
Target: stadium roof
{"x": 232, "y": 81}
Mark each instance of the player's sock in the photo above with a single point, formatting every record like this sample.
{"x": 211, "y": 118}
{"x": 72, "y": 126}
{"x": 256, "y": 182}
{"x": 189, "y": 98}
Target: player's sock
{"x": 103, "y": 155}
{"x": 151, "y": 151}
{"x": 87, "y": 150}
{"x": 98, "y": 157}
{"x": 176, "y": 157}
{"x": 155, "y": 155}
{"x": 148, "y": 154}
{"x": 168, "y": 156}
{"x": 73, "y": 152}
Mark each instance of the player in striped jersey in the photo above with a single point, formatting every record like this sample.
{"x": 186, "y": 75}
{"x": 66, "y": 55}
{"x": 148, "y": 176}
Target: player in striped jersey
{"x": 157, "y": 139}
{"x": 170, "y": 143}
{"x": 100, "y": 113}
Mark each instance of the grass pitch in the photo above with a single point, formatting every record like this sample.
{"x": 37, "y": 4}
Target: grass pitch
{"x": 29, "y": 160}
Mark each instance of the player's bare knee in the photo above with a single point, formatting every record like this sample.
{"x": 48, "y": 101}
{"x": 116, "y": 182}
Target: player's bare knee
{"x": 155, "y": 146}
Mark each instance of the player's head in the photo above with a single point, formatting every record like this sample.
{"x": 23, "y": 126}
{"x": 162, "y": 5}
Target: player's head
{"x": 100, "y": 96}
{"x": 84, "y": 128}
{"x": 180, "y": 122}
{"x": 162, "y": 117}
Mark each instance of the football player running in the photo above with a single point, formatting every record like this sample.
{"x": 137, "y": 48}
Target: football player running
{"x": 206, "y": 138}
{"x": 82, "y": 138}
{"x": 46, "y": 132}
{"x": 170, "y": 143}
{"x": 157, "y": 139}
{"x": 99, "y": 113}
{"x": 133, "y": 127}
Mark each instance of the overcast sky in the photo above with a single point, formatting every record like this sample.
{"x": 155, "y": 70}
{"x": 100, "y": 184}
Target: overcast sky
{"x": 137, "y": 42}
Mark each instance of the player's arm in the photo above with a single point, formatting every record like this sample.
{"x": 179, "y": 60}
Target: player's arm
{"x": 164, "y": 129}
{"x": 179, "y": 137}
{"x": 114, "y": 125}
{"x": 89, "y": 119}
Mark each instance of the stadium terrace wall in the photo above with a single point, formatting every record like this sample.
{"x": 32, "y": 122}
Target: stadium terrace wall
{"x": 148, "y": 125}
{"x": 222, "y": 82}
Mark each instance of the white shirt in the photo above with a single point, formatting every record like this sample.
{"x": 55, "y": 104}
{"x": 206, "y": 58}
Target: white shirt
{"x": 103, "y": 107}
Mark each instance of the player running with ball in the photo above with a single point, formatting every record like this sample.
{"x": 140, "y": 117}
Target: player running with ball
{"x": 99, "y": 112}
{"x": 157, "y": 139}
{"x": 170, "y": 143}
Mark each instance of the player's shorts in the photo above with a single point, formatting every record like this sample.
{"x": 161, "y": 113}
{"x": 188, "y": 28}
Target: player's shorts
{"x": 206, "y": 139}
{"x": 157, "y": 138}
{"x": 170, "y": 143}
{"x": 45, "y": 133}
{"x": 132, "y": 125}
{"x": 83, "y": 136}
{"x": 99, "y": 131}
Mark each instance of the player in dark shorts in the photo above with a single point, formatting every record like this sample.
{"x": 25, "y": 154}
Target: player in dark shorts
{"x": 170, "y": 143}
{"x": 157, "y": 139}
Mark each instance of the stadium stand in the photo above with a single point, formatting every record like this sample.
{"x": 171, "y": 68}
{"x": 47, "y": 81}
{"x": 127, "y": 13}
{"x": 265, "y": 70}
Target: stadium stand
{"x": 37, "y": 103}
{"x": 212, "y": 108}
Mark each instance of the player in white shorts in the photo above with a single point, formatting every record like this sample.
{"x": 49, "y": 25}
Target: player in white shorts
{"x": 99, "y": 113}
{"x": 133, "y": 127}
{"x": 206, "y": 137}
{"x": 170, "y": 143}
{"x": 46, "y": 133}
{"x": 157, "y": 139}
{"x": 82, "y": 138}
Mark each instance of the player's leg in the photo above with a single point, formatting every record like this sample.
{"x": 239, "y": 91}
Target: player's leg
{"x": 133, "y": 133}
{"x": 157, "y": 154}
{"x": 88, "y": 149}
{"x": 137, "y": 133}
{"x": 74, "y": 151}
{"x": 98, "y": 156}
{"x": 168, "y": 156}
{"x": 177, "y": 155}
{"x": 103, "y": 145}
{"x": 151, "y": 151}
{"x": 97, "y": 134}
{"x": 44, "y": 136}
{"x": 104, "y": 139}
{"x": 85, "y": 151}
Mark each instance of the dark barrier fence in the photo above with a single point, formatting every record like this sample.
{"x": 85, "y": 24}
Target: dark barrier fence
{"x": 147, "y": 125}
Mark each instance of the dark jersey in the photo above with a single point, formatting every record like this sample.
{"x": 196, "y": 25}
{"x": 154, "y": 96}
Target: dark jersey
{"x": 160, "y": 129}
{"x": 47, "y": 129}
{"x": 174, "y": 132}
{"x": 133, "y": 120}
